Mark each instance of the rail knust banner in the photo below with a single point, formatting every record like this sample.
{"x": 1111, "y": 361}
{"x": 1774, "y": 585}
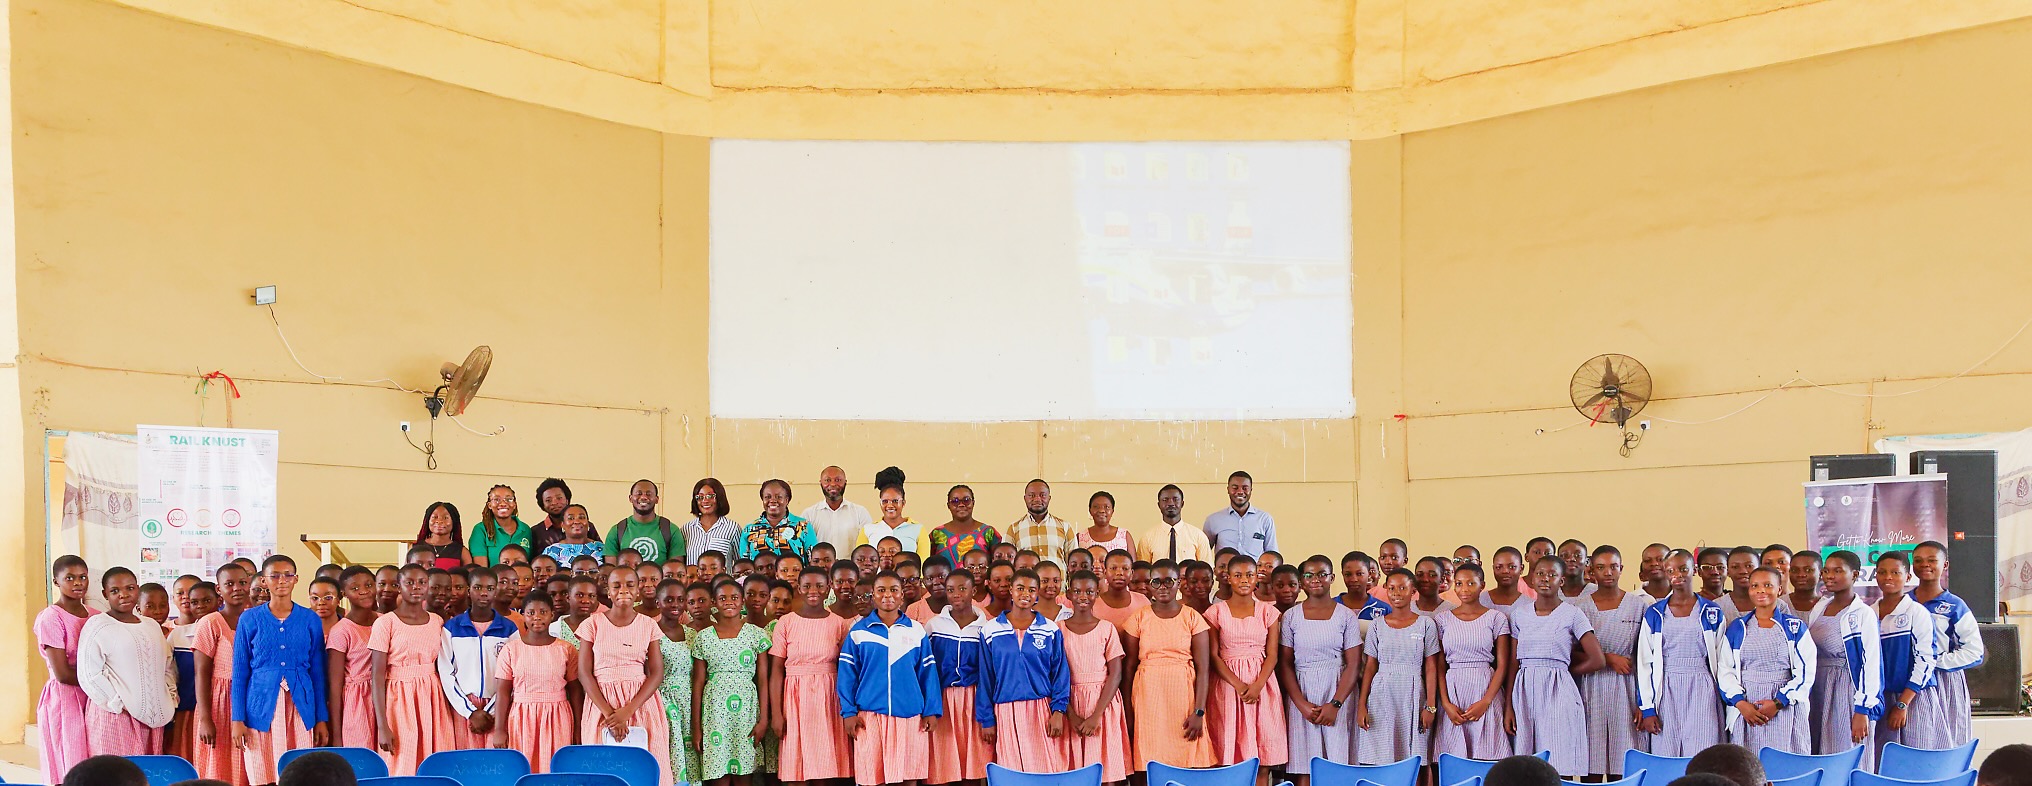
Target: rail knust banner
{"x": 1872, "y": 516}
{"x": 205, "y": 495}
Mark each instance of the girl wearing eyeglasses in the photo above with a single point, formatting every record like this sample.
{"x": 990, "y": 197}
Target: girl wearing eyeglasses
{"x": 1319, "y": 653}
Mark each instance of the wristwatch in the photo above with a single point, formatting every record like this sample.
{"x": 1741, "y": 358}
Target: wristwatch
{"x": 1898, "y": 704}
{"x": 1199, "y": 713}
{"x": 1338, "y": 703}
{"x": 1431, "y": 709}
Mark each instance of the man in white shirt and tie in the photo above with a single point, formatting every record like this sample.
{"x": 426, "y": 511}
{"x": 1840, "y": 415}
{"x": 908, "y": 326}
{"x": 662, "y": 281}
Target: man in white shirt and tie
{"x": 1173, "y": 539}
{"x": 1241, "y": 526}
{"x": 834, "y": 519}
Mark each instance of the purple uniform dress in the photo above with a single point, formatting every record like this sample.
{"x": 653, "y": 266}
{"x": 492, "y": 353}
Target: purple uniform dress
{"x": 1611, "y": 698}
{"x": 1397, "y": 694}
{"x": 1546, "y": 698}
{"x": 1689, "y": 705}
{"x": 1846, "y": 645}
{"x": 1470, "y": 647}
{"x": 1766, "y": 667}
{"x": 1317, "y": 649}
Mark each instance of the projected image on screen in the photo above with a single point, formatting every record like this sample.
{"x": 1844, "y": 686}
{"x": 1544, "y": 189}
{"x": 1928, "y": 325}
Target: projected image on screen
{"x": 975, "y": 281}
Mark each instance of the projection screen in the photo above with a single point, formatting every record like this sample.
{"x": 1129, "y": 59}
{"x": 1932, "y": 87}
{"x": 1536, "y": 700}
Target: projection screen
{"x": 927, "y": 281}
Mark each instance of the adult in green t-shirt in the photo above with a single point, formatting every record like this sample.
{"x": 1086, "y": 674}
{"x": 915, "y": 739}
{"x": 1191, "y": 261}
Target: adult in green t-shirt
{"x": 652, "y": 535}
{"x": 499, "y": 527}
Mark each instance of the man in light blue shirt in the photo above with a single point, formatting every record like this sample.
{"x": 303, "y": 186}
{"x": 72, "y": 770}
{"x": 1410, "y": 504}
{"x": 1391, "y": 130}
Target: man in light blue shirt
{"x": 1240, "y": 526}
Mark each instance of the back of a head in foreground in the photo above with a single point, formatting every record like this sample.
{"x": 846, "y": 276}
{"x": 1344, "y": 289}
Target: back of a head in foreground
{"x": 1701, "y": 779}
{"x": 105, "y": 771}
{"x": 2010, "y": 765}
{"x": 1733, "y": 762}
{"x": 317, "y": 768}
{"x": 1522, "y": 771}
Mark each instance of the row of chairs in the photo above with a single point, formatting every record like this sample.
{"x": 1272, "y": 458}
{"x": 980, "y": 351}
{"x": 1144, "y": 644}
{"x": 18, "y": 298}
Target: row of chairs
{"x": 1899, "y": 765}
{"x": 572, "y": 765}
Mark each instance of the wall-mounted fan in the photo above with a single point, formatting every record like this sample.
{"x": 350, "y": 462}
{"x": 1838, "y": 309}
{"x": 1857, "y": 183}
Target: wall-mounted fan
{"x": 461, "y": 383}
{"x": 1612, "y": 389}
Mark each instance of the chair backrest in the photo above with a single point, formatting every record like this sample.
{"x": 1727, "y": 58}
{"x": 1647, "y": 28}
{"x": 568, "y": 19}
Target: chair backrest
{"x": 1658, "y": 770}
{"x": 571, "y": 779}
{"x": 1861, "y": 778}
{"x": 1239, "y": 774}
{"x": 1474, "y": 781}
{"x": 1454, "y": 769}
{"x": 1403, "y": 773}
{"x": 1834, "y": 767}
{"x": 366, "y": 763}
{"x": 1629, "y": 779}
{"x": 164, "y": 770}
{"x": 1919, "y": 764}
{"x": 630, "y": 764}
{"x": 477, "y": 767}
{"x": 1807, "y": 778}
{"x": 409, "y": 780}
{"x": 999, "y": 775}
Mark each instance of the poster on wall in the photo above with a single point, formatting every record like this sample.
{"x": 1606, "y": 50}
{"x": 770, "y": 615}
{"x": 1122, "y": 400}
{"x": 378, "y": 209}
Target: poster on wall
{"x": 2014, "y": 498}
{"x": 1873, "y": 516}
{"x": 205, "y": 496}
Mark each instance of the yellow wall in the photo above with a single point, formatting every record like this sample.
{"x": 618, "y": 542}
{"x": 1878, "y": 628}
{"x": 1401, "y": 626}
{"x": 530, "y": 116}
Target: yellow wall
{"x": 408, "y": 210}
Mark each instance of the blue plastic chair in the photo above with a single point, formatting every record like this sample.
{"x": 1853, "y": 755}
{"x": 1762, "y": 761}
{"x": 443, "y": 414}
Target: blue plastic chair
{"x": 1658, "y": 770}
{"x": 1963, "y": 778}
{"x": 1454, "y": 769}
{"x": 1629, "y": 779}
{"x": 366, "y": 763}
{"x": 1807, "y": 778}
{"x": 1474, "y": 781}
{"x": 571, "y": 779}
{"x": 409, "y": 780}
{"x": 164, "y": 770}
{"x": 477, "y": 767}
{"x": 999, "y": 775}
{"x": 1920, "y": 764}
{"x": 1242, "y": 773}
{"x": 1403, "y": 773}
{"x": 630, "y": 764}
{"x": 1834, "y": 767}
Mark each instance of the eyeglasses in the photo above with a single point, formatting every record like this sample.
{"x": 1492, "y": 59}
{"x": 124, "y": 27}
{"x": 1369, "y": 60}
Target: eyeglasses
{"x": 1163, "y": 582}
{"x": 1316, "y": 574}
{"x": 959, "y": 501}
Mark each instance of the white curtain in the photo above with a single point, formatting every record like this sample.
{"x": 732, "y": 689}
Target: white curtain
{"x": 99, "y": 516}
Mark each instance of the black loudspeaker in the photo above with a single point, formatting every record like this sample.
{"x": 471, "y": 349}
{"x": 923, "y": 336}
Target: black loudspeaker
{"x": 1856, "y": 465}
{"x": 1971, "y": 523}
{"x": 1993, "y": 686}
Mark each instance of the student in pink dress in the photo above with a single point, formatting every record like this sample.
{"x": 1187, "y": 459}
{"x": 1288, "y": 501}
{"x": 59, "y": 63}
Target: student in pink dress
{"x": 349, "y": 665}
{"x": 217, "y": 758}
{"x": 804, "y": 655}
{"x": 1245, "y": 713}
{"x": 411, "y": 719}
{"x": 60, "y": 715}
{"x": 621, "y": 667}
{"x": 536, "y": 685}
{"x": 1097, "y": 728}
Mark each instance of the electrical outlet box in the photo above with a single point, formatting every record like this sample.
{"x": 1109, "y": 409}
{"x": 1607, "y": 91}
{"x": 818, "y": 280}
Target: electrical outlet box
{"x": 264, "y": 295}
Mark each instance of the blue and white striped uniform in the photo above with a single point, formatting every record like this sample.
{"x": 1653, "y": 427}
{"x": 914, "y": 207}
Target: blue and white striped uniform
{"x": 1849, "y": 674}
{"x": 1912, "y": 645}
{"x": 888, "y": 669}
{"x": 1961, "y": 649}
{"x": 957, "y": 649}
{"x": 1676, "y": 676}
{"x": 1021, "y": 667}
{"x": 1758, "y": 663}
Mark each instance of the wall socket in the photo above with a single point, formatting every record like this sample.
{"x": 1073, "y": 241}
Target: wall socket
{"x": 264, "y": 295}
{"x": 405, "y": 426}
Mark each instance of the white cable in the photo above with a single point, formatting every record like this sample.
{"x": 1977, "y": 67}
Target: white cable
{"x": 306, "y": 369}
{"x": 498, "y": 430}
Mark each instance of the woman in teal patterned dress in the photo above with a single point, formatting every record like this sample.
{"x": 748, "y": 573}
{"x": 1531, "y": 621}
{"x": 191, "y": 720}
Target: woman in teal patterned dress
{"x": 676, "y": 686}
{"x": 730, "y": 719}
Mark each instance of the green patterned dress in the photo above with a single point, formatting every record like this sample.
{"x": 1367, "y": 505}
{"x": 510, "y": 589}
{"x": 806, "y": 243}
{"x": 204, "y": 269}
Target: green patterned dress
{"x": 676, "y": 690}
{"x": 771, "y": 746}
{"x": 731, "y": 700}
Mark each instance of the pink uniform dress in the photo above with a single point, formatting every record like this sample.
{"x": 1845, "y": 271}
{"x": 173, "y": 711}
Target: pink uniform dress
{"x": 419, "y": 720}
{"x": 60, "y": 715}
{"x": 540, "y": 721}
{"x": 1119, "y": 617}
{"x": 349, "y": 638}
{"x": 1087, "y": 655}
{"x": 814, "y": 745}
{"x": 1163, "y": 691}
{"x": 1245, "y": 731}
{"x": 219, "y": 761}
{"x": 619, "y": 657}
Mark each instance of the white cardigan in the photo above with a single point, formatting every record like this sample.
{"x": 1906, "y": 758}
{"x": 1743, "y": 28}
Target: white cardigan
{"x": 128, "y": 667}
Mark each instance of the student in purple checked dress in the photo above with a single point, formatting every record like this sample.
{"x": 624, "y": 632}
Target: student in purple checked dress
{"x": 1476, "y": 641}
{"x": 1318, "y": 664}
{"x": 1610, "y": 694}
{"x": 1767, "y": 662}
{"x": 1400, "y": 685}
{"x": 1546, "y": 712}
{"x": 1848, "y": 694}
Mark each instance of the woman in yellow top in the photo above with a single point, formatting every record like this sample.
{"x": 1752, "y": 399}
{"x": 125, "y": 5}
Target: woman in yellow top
{"x": 892, "y": 524}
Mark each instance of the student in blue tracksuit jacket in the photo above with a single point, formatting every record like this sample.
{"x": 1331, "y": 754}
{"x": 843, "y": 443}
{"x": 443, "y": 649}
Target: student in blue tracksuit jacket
{"x": 1911, "y": 646}
{"x": 1678, "y": 700}
{"x": 1961, "y": 645}
{"x": 889, "y": 691}
{"x": 1766, "y": 662}
{"x": 1025, "y": 683}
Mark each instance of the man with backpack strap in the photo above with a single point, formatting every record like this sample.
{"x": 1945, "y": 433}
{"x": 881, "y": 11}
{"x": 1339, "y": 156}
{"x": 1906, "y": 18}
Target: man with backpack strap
{"x": 653, "y": 536}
